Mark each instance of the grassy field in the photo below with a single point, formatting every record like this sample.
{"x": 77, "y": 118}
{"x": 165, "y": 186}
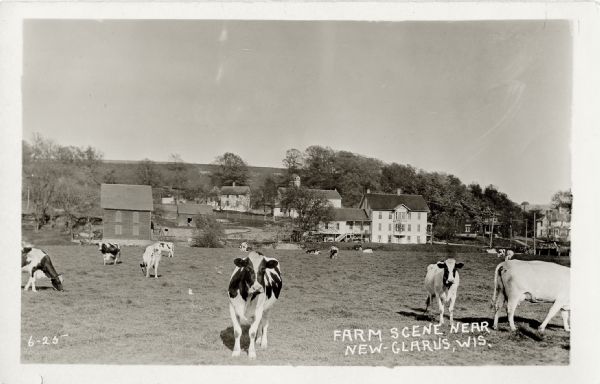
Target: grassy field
{"x": 113, "y": 315}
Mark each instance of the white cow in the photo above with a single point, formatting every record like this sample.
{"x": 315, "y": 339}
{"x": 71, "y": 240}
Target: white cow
{"x": 166, "y": 246}
{"x": 254, "y": 287}
{"x": 535, "y": 281}
{"x": 151, "y": 258}
{"x": 441, "y": 281}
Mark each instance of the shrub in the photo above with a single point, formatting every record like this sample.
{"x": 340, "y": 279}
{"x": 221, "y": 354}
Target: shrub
{"x": 209, "y": 234}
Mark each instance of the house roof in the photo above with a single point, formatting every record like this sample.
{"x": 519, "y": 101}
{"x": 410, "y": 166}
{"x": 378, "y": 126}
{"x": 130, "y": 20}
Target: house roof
{"x": 350, "y": 214}
{"x": 126, "y": 197}
{"x": 168, "y": 207}
{"x": 330, "y": 194}
{"x": 380, "y": 201}
{"x": 195, "y": 209}
{"x": 235, "y": 190}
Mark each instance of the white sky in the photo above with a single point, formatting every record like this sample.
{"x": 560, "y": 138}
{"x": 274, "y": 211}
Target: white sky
{"x": 488, "y": 101}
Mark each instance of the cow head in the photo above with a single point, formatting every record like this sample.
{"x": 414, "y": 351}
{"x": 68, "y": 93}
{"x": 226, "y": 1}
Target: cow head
{"x": 450, "y": 267}
{"x": 250, "y": 278}
{"x": 57, "y": 282}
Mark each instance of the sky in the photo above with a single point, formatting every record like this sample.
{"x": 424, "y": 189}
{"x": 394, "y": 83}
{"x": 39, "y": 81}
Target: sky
{"x": 486, "y": 101}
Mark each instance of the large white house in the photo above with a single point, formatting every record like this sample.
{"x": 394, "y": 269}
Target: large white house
{"x": 332, "y": 195}
{"x": 397, "y": 218}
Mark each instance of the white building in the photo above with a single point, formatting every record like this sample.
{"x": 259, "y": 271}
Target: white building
{"x": 399, "y": 218}
{"x": 332, "y": 195}
{"x": 348, "y": 224}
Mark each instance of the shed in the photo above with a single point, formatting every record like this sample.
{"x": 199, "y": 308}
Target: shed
{"x": 126, "y": 213}
{"x": 186, "y": 213}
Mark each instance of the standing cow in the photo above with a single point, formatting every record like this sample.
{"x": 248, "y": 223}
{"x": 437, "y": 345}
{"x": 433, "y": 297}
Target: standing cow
{"x": 37, "y": 263}
{"x": 441, "y": 281}
{"x": 166, "y": 246}
{"x": 110, "y": 251}
{"x": 151, "y": 258}
{"x": 254, "y": 287}
{"x": 535, "y": 281}
{"x": 333, "y": 252}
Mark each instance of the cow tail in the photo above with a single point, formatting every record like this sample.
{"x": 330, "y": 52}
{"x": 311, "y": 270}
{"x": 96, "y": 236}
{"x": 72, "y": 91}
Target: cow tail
{"x": 497, "y": 273}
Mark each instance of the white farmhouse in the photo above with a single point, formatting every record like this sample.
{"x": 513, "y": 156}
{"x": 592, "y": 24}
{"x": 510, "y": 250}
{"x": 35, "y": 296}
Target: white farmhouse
{"x": 397, "y": 218}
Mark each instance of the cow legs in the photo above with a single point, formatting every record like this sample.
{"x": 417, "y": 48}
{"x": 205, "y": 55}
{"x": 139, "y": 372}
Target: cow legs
{"x": 237, "y": 331}
{"x": 553, "y": 311}
{"x": 156, "y": 269}
{"x": 500, "y": 299}
{"x": 263, "y": 328}
{"x": 29, "y": 284}
{"x": 451, "y": 308}
{"x": 252, "y": 334}
{"x": 565, "y": 316}
{"x": 511, "y": 307}
{"x": 441, "y": 307}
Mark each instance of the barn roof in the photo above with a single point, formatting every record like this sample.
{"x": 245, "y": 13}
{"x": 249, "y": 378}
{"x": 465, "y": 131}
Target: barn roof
{"x": 126, "y": 197}
{"x": 235, "y": 190}
{"x": 330, "y": 194}
{"x": 350, "y": 214}
{"x": 195, "y": 209}
{"x": 380, "y": 201}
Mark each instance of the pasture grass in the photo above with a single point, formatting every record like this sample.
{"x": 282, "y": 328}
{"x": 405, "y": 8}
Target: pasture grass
{"x": 114, "y": 315}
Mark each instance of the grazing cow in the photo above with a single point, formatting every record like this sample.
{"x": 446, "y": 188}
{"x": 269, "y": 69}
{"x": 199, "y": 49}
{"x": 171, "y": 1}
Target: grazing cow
{"x": 313, "y": 251}
{"x": 333, "y": 252}
{"x": 357, "y": 247}
{"x": 37, "y": 263}
{"x": 166, "y": 246}
{"x": 110, "y": 251}
{"x": 367, "y": 250}
{"x": 245, "y": 247}
{"x": 254, "y": 287}
{"x": 151, "y": 258}
{"x": 535, "y": 281}
{"x": 441, "y": 281}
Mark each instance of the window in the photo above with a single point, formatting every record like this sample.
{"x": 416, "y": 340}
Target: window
{"x": 337, "y": 226}
{"x": 402, "y": 227}
{"x": 379, "y": 227}
{"x": 389, "y": 238}
{"x": 418, "y": 215}
{"x": 227, "y": 203}
{"x": 408, "y": 227}
{"x": 326, "y": 225}
{"x": 380, "y": 217}
{"x": 408, "y": 215}
{"x": 418, "y": 239}
{"x": 379, "y": 239}
{"x": 136, "y": 217}
{"x": 408, "y": 238}
{"x": 390, "y": 227}
{"x": 136, "y": 230}
{"x": 349, "y": 224}
{"x": 390, "y": 216}
{"x": 118, "y": 229}
{"x": 118, "y": 217}
{"x": 418, "y": 227}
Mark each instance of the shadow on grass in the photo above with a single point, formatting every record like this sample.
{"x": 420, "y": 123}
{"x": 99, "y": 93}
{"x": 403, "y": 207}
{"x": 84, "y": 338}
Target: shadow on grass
{"x": 228, "y": 338}
{"x": 40, "y": 289}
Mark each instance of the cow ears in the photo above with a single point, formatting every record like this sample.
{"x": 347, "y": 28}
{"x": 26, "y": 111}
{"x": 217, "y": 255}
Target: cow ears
{"x": 458, "y": 265}
{"x": 271, "y": 264}
{"x": 441, "y": 264}
{"x": 26, "y": 249}
{"x": 242, "y": 263}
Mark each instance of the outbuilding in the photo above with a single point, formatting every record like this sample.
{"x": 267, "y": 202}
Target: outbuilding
{"x": 126, "y": 213}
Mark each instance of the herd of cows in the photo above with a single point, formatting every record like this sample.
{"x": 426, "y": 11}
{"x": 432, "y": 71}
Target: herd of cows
{"x": 256, "y": 283}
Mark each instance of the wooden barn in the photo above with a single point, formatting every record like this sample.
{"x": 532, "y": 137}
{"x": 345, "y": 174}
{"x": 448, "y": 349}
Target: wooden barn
{"x": 126, "y": 213}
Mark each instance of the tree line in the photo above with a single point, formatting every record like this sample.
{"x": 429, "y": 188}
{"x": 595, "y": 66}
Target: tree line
{"x": 67, "y": 178}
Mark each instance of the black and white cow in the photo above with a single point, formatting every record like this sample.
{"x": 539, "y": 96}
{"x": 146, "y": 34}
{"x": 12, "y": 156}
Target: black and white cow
{"x": 37, "y": 263}
{"x": 254, "y": 287}
{"x": 441, "y": 281}
{"x": 313, "y": 251}
{"x": 245, "y": 247}
{"x": 166, "y": 246}
{"x": 333, "y": 252}
{"x": 110, "y": 251}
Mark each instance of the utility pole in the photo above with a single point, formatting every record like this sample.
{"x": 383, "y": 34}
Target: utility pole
{"x": 492, "y": 231}
{"x": 534, "y": 232}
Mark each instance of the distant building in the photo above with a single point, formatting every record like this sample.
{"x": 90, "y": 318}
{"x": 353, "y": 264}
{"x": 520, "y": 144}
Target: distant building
{"x": 398, "y": 218}
{"x": 126, "y": 213}
{"x": 188, "y": 213}
{"x": 348, "y": 224}
{"x": 554, "y": 224}
{"x": 235, "y": 198}
{"x": 332, "y": 195}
